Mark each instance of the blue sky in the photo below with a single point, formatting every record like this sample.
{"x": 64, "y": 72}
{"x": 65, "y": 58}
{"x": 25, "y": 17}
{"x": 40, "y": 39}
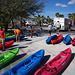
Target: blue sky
{"x": 62, "y": 6}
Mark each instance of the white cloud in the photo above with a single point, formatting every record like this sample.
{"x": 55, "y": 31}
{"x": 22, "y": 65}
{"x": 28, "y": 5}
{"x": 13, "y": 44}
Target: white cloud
{"x": 62, "y": 5}
{"x": 71, "y": 2}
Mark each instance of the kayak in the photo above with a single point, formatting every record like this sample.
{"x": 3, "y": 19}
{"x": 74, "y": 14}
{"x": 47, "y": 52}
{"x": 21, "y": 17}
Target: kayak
{"x": 57, "y": 39}
{"x": 5, "y": 58}
{"x": 73, "y": 41}
{"x": 13, "y": 37}
{"x": 67, "y": 39}
{"x": 57, "y": 64}
{"x": 50, "y": 38}
{"x": 7, "y": 44}
{"x": 6, "y": 34}
{"x": 26, "y": 66}
{"x": 10, "y": 36}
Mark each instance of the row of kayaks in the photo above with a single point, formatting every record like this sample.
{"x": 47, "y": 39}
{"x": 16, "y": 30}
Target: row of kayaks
{"x": 28, "y": 65}
{"x": 12, "y": 37}
{"x": 56, "y": 39}
{"x": 10, "y": 40}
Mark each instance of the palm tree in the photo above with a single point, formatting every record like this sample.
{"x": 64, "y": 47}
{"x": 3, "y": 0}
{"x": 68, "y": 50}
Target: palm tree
{"x": 69, "y": 16}
{"x": 48, "y": 19}
{"x": 72, "y": 17}
{"x": 42, "y": 19}
{"x": 57, "y": 14}
{"x": 61, "y": 15}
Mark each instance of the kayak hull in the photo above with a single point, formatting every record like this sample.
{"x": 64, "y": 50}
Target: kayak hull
{"x": 5, "y": 58}
{"x": 6, "y": 34}
{"x": 13, "y": 38}
{"x": 50, "y": 38}
{"x": 67, "y": 39}
{"x": 26, "y": 66}
{"x": 57, "y": 39}
{"x": 7, "y": 44}
{"x": 73, "y": 41}
{"x": 56, "y": 64}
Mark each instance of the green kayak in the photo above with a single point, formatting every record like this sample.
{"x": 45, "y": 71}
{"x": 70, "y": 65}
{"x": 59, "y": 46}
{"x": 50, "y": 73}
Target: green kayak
{"x": 10, "y": 36}
{"x": 5, "y": 58}
{"x": 6, "y": 34}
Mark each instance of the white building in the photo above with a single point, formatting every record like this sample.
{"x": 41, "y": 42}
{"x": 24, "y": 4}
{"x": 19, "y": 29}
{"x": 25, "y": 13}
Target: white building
{"x": 63, "y": 21}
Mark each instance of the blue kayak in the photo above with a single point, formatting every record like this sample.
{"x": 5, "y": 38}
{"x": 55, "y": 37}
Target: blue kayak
{"x": 26, "y": 66}
{"x": 67, "y": 39}
{"x": 50, "y": 38}
{"x": 12, "y": 38}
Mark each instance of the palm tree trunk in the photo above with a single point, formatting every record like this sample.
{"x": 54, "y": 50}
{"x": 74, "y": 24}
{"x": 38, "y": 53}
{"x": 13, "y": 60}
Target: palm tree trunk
{"x": 20, "y": 23}
{"x": 12, "y": 24}
{"x": 40, "y": 24}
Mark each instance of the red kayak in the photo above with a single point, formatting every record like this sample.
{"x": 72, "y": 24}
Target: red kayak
{"x": 7, "y": 44}
{"x": 56, "y": 64}
{"x": 73, "y": 41}
{"x": 57, "y": 39}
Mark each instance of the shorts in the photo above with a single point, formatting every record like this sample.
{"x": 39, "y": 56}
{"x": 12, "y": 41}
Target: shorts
{"x": 17, "y": 31}
{"x": 49, "y": 31}
{"x": 58, "y": 28}
{"x": 69, "y": 29}
{"x": 2, "y": 42}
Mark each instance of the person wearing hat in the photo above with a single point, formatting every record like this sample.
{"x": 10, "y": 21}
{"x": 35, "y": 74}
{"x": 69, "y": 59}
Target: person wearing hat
{"x": 2, "y": 37}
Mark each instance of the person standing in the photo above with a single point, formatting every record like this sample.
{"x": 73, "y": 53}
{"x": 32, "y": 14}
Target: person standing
{"x": 69, "y": 28}
{"x": 17, "y": 32}
{"x": 58, "y": 25}
{"x": 49, "y": 29}
{"x": 2, "y": 37}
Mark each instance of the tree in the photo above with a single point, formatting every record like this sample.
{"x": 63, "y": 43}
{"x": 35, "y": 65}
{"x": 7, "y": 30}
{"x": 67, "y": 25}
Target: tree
{"x": 57, "y": 14}
{"x": 69, "y": 16}
{"x": 18, "y": 9}
{"x": 42, "y": 18}
{"x": 72, "y": 17}
{"x": 61, "y": 15}
{"x": 48, "y": 19}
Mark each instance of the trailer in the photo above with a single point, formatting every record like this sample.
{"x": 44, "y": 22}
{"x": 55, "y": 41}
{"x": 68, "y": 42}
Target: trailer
{"x": 63, "y": 21}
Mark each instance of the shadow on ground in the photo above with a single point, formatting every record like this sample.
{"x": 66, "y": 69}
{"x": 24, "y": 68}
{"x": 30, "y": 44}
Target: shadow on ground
{"x": 45, "y": 59}
{"x": 19, "y": 47}
{"x": 25, "y": 39}
{"x": 72, "y": 57}
{"x": 28, "y": 40}
{"x": 13, "y": 60}
{"x": 14, "y": 45}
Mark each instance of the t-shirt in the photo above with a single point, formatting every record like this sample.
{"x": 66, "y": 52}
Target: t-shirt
{"x": 17, "y": 27}
{"x": 70, "y": 26}
{"x": 58, "y": 25}
{"x": 50, "y": 27}
{"x": 2, "y": 32}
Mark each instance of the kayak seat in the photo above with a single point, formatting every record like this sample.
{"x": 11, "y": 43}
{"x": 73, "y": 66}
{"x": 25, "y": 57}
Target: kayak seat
{"x": 23, "y": 66}
{"x": 58, "y": 61}
{"x": 28, "y": 66}
{"x": 35, "y": 57}
{"x": 20, "y": 70}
